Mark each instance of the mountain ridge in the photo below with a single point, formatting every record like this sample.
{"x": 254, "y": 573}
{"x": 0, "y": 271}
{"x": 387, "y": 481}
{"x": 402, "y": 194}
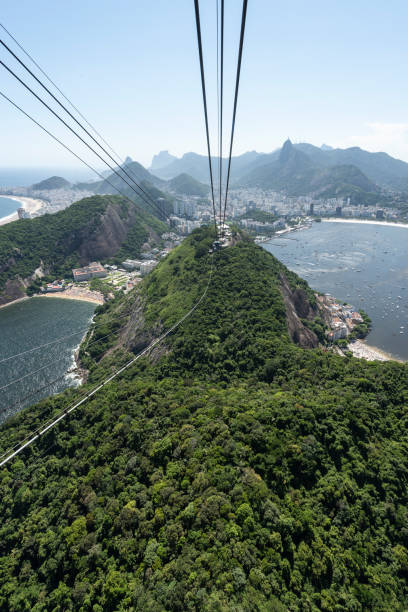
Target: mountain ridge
{"x": 235, "y": 470}
{"x": 379, "y": 167}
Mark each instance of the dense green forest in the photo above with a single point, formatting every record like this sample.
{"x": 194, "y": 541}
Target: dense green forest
{"x": 58, "y": 240}
{"x": 231, "y": 471}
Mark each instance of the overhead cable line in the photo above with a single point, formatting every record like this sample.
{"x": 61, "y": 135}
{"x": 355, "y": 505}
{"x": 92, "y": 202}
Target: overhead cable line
{"x": 200, "y": 53}
{"x": 139, "y": 195}
{"x": 241, "y": 44}
{"x": 76, "y": 120}
{"x": 16, "y": 380}
{"x": 61, "y": 338}
{"x": 59, "y": 90}
{"x": 40, "y": 431}
{"x": 67, "y": 99}
{"x": 67, "y": 148}
{"x": 221, "y": 99}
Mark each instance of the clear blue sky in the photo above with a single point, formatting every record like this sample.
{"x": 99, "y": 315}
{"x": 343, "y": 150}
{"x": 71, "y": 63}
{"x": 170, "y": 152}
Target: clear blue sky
{"x": 316, "y": 71}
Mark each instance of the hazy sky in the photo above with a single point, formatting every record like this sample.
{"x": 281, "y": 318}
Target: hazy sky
{"x": 320, "y": 71}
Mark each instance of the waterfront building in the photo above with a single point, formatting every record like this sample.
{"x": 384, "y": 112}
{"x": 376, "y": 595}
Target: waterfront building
{"x": 93, "y": 270}
{"x": 22, "y": 213}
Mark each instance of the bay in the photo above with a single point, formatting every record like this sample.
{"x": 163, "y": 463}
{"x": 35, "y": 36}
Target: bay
{"x": 365, "y": 265}
{"x": 8, "y": 206}
{"x": 29, "y": 324}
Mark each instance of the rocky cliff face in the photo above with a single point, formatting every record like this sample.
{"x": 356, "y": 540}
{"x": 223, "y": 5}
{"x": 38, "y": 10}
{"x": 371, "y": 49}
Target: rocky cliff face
{"x": 298, "y": 307}
{"x": 105, "y": 239}
{"x": 100, "y": 237}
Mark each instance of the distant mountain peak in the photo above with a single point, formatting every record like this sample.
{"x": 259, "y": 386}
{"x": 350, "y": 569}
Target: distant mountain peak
{"x": 54, "y": 182}
{"x": 128, "y": 160}
{"x": 326, "y": 147}
{"x": 162, "y": 159}
{"x": 286, "y": 151}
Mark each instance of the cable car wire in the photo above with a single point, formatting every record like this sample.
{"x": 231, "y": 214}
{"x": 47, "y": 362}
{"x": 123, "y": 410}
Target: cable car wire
{"x": 40, "y": 431}
{"x": 200, "y": 53}
{"x": 75, "y": 119}
{"x": 221, "y": 100}
{"x": 241, "y": 44}
{"x": 59, "y": 90}
{"x": 65, "y": 146}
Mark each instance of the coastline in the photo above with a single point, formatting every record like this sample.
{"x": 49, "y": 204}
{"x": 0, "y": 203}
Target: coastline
{"x": 363, "y": 221}
{"x": 361, "y": 350}
{"x": 31, "y": 205}
{"x": 22, "y": 299}
{"x": 93, "y": 297}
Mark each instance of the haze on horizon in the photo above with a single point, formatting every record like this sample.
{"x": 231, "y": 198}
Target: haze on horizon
{"x": 318, "y": 74}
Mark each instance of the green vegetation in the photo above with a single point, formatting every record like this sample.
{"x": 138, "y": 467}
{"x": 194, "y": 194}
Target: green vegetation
{"x": 259, "y": 215}
{"x": 234, "y": 471}
{"x": 186, "y": 184}
{"x": 54, "y": 182}
{"x": 59, "y": 241}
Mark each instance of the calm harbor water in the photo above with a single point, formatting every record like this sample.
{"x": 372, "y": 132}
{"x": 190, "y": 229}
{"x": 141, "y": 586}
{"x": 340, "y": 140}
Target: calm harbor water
{"x": 8, "y": 206}
{"x": 31, "y": 323}
{"x": 365, "y": 265}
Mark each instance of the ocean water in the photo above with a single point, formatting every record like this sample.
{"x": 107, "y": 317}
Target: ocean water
{"x": 26, "y": 325}
{"x": 8, "y": 206}
{"x": 24, "y": 177}
{"x": 365, "y": 265}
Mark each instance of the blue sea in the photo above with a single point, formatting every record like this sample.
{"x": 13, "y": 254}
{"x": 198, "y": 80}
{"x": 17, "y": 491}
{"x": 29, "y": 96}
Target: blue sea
{"x": 24, "y": 177}
{"x": 8, "y": 206}
{"x": 365, "y": 265}
{"x": 25, "y": 325}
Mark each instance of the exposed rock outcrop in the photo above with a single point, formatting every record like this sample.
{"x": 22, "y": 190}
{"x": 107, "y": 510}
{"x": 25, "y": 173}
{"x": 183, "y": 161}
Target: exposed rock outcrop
{"x": 298, "y": 307}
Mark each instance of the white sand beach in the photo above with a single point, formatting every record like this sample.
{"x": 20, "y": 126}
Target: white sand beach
{"x": 77, "y": 293}
{"x": 370, "y": 353}
{"x": 31, "y": 205}
{"x": 364, "y": 221}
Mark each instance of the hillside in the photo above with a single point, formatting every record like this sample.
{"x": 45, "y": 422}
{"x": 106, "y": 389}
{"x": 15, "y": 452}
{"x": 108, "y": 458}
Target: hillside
{"x": 98, "y": 227}
{"x": 149, "y": 183}
{"x": 54, "y": 182}
{"x": 380, "y": 168}
{"x": 197, "y": 166}
{"x": 187, "y": 185}
{"x": 162, "y": 159}
{"x": 234, "y": 470}
{"x": 295, "y": 173}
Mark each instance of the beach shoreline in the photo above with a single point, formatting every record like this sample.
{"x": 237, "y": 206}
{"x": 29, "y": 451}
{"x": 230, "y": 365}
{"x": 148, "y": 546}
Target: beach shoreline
{"x": 364, "y": 222}
{"x": 30, "y": 205}
{"x": 361, "y": 350}
{"x": 92, "y": 297}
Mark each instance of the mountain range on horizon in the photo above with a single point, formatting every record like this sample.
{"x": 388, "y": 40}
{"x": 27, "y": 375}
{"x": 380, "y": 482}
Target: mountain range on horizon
{"x": 299, "y": 169}
{"x": 309, "y": 169}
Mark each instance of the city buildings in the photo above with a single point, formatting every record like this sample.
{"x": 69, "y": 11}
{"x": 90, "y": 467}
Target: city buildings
{"x": 93, "y": 270}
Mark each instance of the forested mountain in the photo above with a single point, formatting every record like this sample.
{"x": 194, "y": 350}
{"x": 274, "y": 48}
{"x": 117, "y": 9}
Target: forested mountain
{"x": 187, "y": 185}
{"x": 197, "y": 166}
{"x": 93, "y": 228}
{"x": 297, "y": 174}
{"x": 54, "y": 182}
{"x": 380, "y": 168}
{"x": 161, "y": 159}
{"x": 233, "y": 470}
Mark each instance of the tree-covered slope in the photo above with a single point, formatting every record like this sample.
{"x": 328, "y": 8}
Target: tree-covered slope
{"x": 233, "y": 471}
{"x": 93, "y": 228}
{"x": 186, "y": 184}
{"x": 298, "y": 174}
{"x": 54, "y": 182}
